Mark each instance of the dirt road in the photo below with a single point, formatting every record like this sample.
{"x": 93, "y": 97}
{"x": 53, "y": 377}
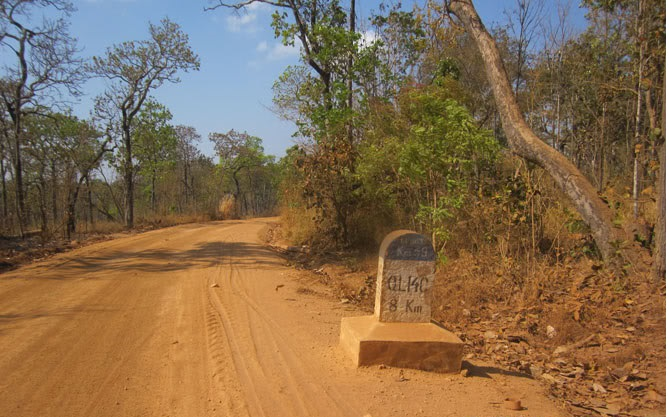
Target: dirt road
{"x": 203, "y": 320}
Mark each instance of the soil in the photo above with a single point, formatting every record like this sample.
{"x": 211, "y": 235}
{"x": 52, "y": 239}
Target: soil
{"x": 16, "y": 251}
{"x": 594, "y": 341}
{"x": 206, "y": 320}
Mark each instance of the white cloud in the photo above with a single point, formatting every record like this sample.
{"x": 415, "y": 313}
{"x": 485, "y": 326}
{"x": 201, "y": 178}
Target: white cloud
{"x": 258, "y": 6}
{"x": 273, "y": 52}
{"x": 246, "y": 19}
{"x": 262, "y": 46}
{"x": 280, "y": 51}
{"x": 244, "y": 22}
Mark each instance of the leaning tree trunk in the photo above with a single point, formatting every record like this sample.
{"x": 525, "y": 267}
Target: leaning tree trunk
{"x": 526, "y": 144}
{"x": 660, "y": 255}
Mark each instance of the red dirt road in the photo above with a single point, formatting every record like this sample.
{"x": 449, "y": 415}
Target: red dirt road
{"x": 203, "y": 320}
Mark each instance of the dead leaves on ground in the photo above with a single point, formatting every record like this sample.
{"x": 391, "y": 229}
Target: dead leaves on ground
{"x": 617, "y": 370}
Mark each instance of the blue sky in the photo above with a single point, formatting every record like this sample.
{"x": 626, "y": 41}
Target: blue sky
{"x": 240, "y": 60}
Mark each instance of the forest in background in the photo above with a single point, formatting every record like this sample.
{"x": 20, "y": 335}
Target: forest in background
{"x": 397, "y": 126}
{"x": 63, "y": 177}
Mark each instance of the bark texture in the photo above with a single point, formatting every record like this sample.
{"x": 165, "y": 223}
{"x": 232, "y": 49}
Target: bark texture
{"x": 660, "y": 255}
{"x": 526, "y": 144}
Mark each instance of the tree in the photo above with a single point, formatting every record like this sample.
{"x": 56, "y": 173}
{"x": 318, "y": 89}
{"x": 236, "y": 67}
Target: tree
{"x": 76, "y": 147}
{"x": 85, "y": 147}
{"x": 155, "y": 143}
{"x": 44, "y": 62}
{"x": 187, "y": 154}
{"x": 526, "y": 144}
{"x": 133, "y": 69}
{"x": 317, "y": 24}
{"x": 326, "y": 107}
{"x": 4, "y": 167}
{"x": 400, "y": 42}
{"x": 238, "y": 151}
{"x": 524, "y": 21}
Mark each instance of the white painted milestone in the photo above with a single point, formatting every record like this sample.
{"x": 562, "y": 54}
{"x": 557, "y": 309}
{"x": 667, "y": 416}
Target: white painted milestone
{"x": 405, "y": 278}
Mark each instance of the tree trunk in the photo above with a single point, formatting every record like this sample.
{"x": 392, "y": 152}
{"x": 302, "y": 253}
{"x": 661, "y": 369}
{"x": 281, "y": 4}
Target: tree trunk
{"x": 54, "y": 195}
{"x": 351, "y": 29}
{"x": 71, "y": 212}
{"x": 44, "y": 220}
{"x": 18, "y": 178}
{"x": 186, "y": 194}
{"x": 602, "y": 152}
{"x": 637, "y": 117}
{"x": 128, "y": 179}
{"x": 237, "y": 194}
{"x": 153, "y": 191}
{"x": 660, "y": 255}
{"x": 526, "y": 144}
{"x": 91, "y": 216}
{"x": 5, "y": 212}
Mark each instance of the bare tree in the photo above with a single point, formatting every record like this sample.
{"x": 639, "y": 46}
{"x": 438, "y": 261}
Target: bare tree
{"x": 44, "y": 61}
{"x": 556, "y": 37}
{"x": 525, "y": 21}
{"x": 133, "y": 69}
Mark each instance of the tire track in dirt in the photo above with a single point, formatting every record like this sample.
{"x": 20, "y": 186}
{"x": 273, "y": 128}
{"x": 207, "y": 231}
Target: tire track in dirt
{"x": 136, "y": 328}
{"x": 278, "y": 381}
{"x": 68, "y": 280}
{"x": 224, "y": 371}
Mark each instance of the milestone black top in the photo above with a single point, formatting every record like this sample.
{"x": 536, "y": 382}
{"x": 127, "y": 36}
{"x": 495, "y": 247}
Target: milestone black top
{"x": 410, "y": 247}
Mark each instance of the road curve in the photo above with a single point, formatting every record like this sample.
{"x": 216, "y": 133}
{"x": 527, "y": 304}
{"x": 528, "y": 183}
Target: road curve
{"x": 203, "y": 320}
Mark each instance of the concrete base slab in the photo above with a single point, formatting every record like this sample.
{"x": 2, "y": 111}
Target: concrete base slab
{"x": 425, "y": 346}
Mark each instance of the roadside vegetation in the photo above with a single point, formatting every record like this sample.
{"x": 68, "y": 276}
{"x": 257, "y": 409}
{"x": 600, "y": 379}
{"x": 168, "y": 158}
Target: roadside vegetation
{"x": 531, "y": 153}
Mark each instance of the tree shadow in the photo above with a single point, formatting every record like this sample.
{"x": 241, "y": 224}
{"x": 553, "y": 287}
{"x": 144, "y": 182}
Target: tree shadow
{"x": 205, "y": 255}
{"x": 12, "y": 320}
{"x": 486, "y": 371}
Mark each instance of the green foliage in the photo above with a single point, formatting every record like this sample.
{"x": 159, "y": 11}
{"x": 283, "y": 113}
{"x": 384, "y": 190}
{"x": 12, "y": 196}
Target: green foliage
{"x": 155, "y": 139}
{"x": 238, "y": 150}
{"x": 401, "y": 41}
{"x": 249, "y": 174}
{"x": 428, "y": 158}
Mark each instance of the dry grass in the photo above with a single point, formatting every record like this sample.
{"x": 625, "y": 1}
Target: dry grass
{"x": 298, "y": 223}
{"x": 227, "y": 207}
{"x": 173, "y": 220}
{"x": 107, "y": 227}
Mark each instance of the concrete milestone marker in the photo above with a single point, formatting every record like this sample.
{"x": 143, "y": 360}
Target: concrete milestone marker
{"x": 401, "y": 333}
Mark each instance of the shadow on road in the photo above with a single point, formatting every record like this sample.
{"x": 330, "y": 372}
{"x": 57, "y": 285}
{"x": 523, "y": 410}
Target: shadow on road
{"x": 13, "y": 320}
{"x": 203, "y": 255}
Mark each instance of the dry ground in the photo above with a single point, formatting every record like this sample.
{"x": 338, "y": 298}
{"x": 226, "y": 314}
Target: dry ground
{"x": 595, "y": 341}
{"x": 205, "y": 320}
